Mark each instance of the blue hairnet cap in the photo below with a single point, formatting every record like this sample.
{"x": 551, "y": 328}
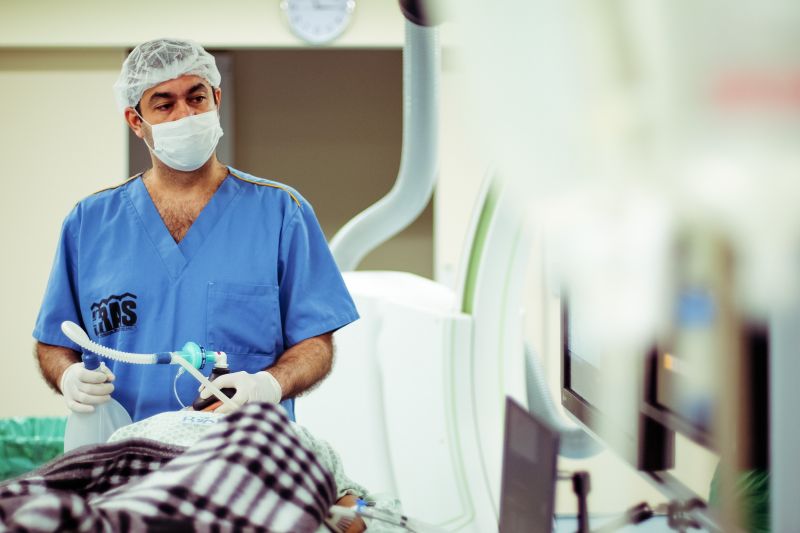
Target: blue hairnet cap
{"x": 160, "y": 60}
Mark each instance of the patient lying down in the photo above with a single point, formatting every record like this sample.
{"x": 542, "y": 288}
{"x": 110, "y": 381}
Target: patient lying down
{"x": 185, "y": 428}
{"x": 251, "y": 470}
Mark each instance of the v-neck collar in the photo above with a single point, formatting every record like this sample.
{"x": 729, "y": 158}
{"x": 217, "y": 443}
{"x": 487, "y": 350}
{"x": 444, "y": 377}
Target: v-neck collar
{"x": 176, "y": 256}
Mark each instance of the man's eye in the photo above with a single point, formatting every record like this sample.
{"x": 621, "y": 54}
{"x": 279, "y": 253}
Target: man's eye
{"x": 163, "y": 107}
{"x": 199, "y": 99}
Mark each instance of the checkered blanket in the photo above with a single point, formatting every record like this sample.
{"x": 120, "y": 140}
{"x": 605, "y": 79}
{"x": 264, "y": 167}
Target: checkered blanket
{"x": 250, "y": 473}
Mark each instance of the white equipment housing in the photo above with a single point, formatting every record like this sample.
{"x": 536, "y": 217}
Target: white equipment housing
{"x": 415, "y": 403}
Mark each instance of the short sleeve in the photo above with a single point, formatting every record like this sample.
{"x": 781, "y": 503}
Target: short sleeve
{"x": 61, "y": 296}
{"x": 313, "y": 297}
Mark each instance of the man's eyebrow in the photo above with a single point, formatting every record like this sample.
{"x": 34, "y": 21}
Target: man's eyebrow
{"x": 196, "y": 88}
{"x": 162, "y": 95}
{"x": 192, "y": 90}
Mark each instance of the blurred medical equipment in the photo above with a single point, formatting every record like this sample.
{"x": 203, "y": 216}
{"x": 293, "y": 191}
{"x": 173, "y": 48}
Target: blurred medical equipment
{"x": 528, "y": 489}
{"x": 660, "y": 165}
{"x": 575, "y": 443}
{"x": 640, "y": 440}
{"x": 713, "y": 355}
{"x": 97, "y": 426}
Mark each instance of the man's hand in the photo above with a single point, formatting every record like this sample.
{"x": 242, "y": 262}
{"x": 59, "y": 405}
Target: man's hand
{"x": 83, "y": 389}
{"x": 297, "y": 370}
{"x": 259, "y": 387}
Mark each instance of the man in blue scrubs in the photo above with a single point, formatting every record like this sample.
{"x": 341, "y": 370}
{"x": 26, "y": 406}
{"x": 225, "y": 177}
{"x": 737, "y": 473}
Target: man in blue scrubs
{"x": 190, "y": 250}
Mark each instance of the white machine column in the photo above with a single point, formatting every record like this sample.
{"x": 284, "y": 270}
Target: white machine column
{"x": 784, "y": 426}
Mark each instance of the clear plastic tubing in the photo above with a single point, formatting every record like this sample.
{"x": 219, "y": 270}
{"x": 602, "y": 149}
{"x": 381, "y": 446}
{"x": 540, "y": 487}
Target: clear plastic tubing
{"x": 77, "y": 335}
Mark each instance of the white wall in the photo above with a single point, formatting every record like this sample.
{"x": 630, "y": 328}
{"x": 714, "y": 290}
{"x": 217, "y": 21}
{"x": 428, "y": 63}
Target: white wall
{"x": 61, "y": 140}
{"x": 236, "y": 23}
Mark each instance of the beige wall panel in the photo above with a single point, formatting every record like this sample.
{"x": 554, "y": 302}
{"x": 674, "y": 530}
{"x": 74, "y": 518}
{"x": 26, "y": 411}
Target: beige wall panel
{"x": 329, "y": 123}
{"x": 237, "y": 23}
{"x": 61, "y": 140}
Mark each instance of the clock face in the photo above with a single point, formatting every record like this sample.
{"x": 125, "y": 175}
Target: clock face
{"x": 318, "y": 21}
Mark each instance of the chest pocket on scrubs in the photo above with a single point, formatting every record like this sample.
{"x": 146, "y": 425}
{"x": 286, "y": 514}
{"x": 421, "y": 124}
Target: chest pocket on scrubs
{"x": 243, "y": 319}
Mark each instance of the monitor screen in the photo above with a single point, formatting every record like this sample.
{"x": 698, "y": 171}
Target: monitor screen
{"x": 605, "y": 392}
{"x": 690, "y": 373}
{"x": 527, "y": 490}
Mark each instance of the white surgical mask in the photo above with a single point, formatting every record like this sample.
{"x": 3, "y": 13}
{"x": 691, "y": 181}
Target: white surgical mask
{"x": 186, "y": 144}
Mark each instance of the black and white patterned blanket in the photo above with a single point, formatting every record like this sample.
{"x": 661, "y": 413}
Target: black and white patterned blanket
{"x": 250, "y": 473}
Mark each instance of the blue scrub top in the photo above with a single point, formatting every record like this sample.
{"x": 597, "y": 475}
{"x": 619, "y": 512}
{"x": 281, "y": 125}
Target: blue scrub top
{"x": 252, "y": 277}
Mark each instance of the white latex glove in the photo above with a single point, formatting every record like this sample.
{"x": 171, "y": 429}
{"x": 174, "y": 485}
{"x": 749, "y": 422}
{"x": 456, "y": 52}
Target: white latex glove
{"x": 259, "y": 387}
{"x": 83, "y": 389}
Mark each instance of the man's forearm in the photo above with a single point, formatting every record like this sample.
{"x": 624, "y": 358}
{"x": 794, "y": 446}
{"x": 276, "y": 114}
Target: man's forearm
{"x": 304, "y": 365}
{"x": 53, "y": 360}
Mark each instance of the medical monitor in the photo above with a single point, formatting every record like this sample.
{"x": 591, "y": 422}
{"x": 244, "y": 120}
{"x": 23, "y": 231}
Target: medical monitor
{"x": 608, "y": 400}
{"x": 685, "y": 388}
{"x": 528, "y": 485}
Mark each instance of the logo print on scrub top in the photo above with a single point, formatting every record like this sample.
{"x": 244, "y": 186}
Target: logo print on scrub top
{"x": 115, "y": 313}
